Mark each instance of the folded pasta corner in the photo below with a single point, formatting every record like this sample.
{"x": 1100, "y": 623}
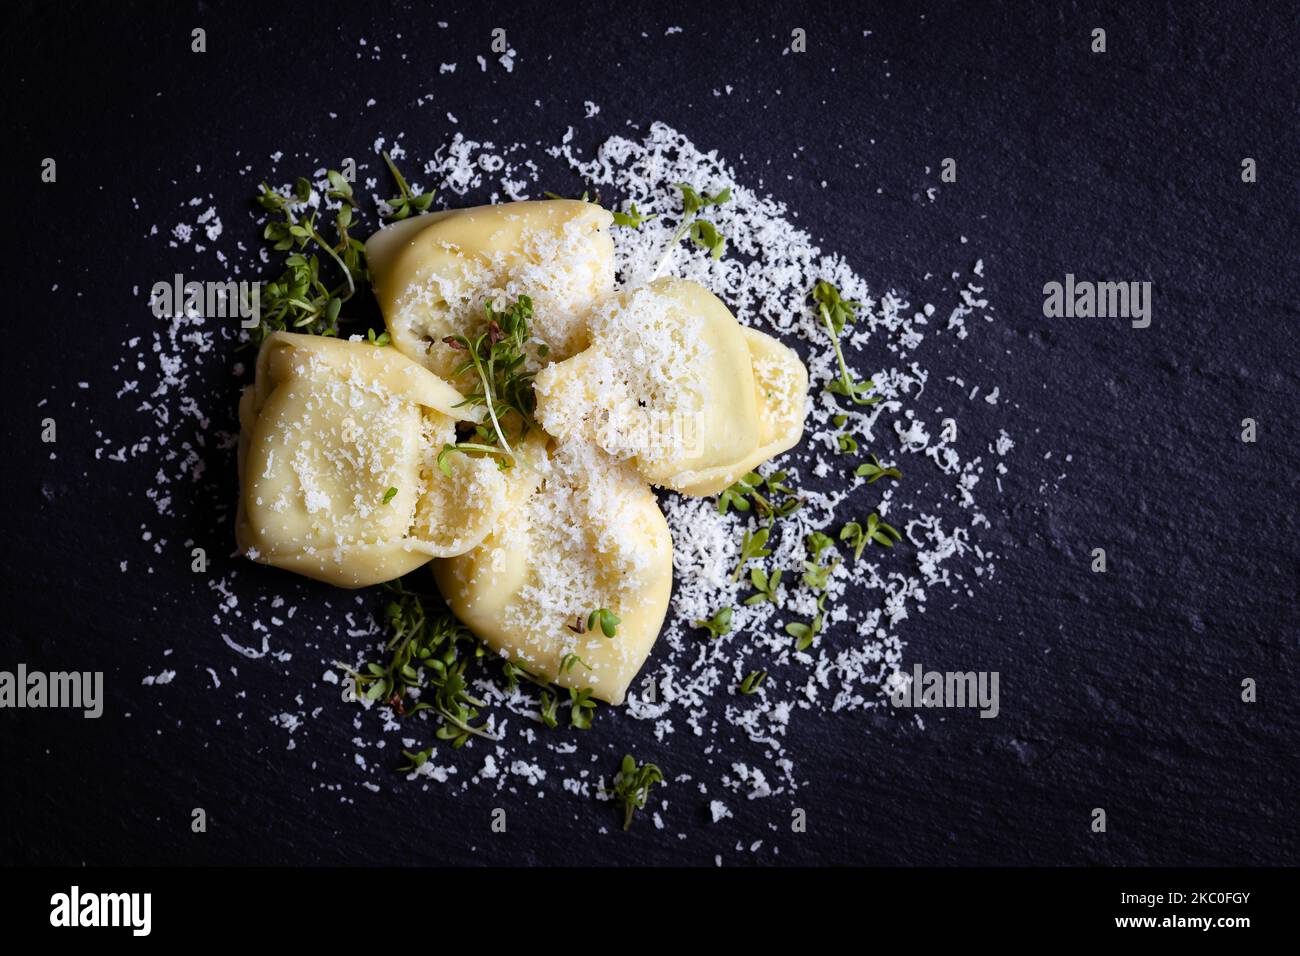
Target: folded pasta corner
{"x": 583, "y": 532}
{"x": 434, "y": 273}
{"x": 338, "y": 464}
{"x": 675, "y": 384}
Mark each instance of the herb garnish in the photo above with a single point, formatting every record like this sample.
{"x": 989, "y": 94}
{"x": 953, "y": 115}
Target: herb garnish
{"x": 752, "y": 682}
{"x": 607, "y": 619}
{"x": 702, "y": 232}
{"x": 846, "y": 443}
{"x": 512, "y": 672}
{"x": 425, "y": 655}
{"x": 583, "y": 198}
{"x": 817, "y": 577}
{"x": 497, "y": 356}
{"x": 633, "y": 218}
{"x": 817, "y": 543}
{"x": 571, "y": 660}
{"x": 405, "y": 202}
{"x": 582, "y": 703}
{"x": 302, "y": 298}
{"x": 428, "y": 653}
{"x": 717, "y": 625}
{"x": 739, "y": 494}
{"x": 876, "y": 530}
{"x": 548, "y": 709}
{"x": 873, "y": 471}
{"x": 751, "y": 546}
{"x": 414, "y": 761}
{"x": 580, "y": 707}
{"x": 735, "y": 495}
{"x": 805, "y": 633}
{"x": 632, "y": 786}
{"x": 764, "y": 584}
{"x": 835, "y": 312}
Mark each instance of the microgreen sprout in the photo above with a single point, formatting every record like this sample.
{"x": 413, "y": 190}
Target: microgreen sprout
{"x": 764, "y": 584}
{"x": 633, "y": 218}
{"x": 763, "y": 492}
{"x": 497, "y": 356}
{"x": 873, "y": 471}
{"x": 876, "y": 530}
{"x": 606, "y": 619}
{"x": 424, "y": 654}
{"x": 405, "y": 202}
{"x": 835, "y": 313}
{"x": 701, "y": 232}
{"x": 580, "y": 707}
{"x": 302, "y": 298}
{"x": 632, "y": 786}
{"x": 569, "y": 661}
{"x": 752, "y": 682}
{"x": 717, "y": 625}
{"x": 751, "y": 546}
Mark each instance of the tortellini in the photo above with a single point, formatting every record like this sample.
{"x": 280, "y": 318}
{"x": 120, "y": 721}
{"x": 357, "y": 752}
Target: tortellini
{"x": 338, "y": 463}
{"x": 434, "y": 273}
{"x": 673, "y": 382}
{"x": 585, "y": 532}
{"x": 346, "y": 475}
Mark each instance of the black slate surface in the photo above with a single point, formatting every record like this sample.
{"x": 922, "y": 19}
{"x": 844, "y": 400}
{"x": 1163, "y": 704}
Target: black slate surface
{"x": 1120, "y": 691}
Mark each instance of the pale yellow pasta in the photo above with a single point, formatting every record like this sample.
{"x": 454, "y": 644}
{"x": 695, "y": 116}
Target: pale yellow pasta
{"x": 655, "y": 385}
{"x": 434, "y": 273}
{"x": 781, "y": 389}
{"x": 338, "y": 470}
{"x": 669, "y": 383}
{"x": 582, "y": 532}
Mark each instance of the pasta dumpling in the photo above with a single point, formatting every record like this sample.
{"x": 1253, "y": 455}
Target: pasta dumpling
{"x": 675, "y": 384}
{"x": 781, "y": 388}
{"x": 583, "y": 532}
{"x": 348, "y": 475}
{"x": 433, "y": 274}
{"x": 338, "y": 464}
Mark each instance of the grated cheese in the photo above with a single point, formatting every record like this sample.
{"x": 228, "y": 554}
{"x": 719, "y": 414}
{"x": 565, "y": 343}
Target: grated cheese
{"x": 175, "y": 397}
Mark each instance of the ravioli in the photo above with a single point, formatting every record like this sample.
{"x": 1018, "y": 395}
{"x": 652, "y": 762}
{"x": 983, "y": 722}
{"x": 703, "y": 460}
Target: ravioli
{"x": 434, "y": 273}
{"x": 583, "y": 532}
{"x": 669, "y": 382}
{"x": 338, "y": 464}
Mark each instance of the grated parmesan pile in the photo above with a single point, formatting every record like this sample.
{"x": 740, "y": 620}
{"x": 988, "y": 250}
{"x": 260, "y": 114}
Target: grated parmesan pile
{"x": 178, "y": 393}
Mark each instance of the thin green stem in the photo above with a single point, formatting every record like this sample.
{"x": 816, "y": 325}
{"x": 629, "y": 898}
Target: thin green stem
{"x": 347, "y": 273}
{"x": 486, "y": 379}
{"x": 835, "y": 343}
{"x": 401, "y": 182}
{"x": 678, "y": 236}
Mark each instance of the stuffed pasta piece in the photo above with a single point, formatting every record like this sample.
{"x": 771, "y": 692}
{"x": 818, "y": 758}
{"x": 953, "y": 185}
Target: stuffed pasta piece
{"x": 433, "y": 275}
{"x": 339, "y": 469}
{"x": 581, "y": 533}
{"x": 673, "y": 383}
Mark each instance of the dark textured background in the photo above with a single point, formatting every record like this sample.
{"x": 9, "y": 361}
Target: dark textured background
{"x": 1118, "y": 690}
